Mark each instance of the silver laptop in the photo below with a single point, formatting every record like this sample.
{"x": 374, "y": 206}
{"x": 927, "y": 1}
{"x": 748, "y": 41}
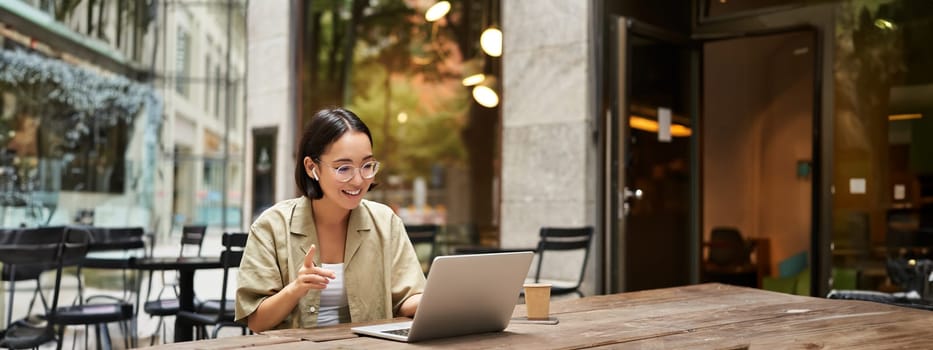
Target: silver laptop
{"x": 464, "y": 294}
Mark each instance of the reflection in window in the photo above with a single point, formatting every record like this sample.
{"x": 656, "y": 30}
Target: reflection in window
{"x": 49, "y": 150}
{"x": 883, "y": 155}
{"x": 96, "y": 161}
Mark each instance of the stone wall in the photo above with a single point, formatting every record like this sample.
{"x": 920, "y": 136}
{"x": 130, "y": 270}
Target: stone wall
{"x": 270, "y": 93}
{"x": 549, "y": 152}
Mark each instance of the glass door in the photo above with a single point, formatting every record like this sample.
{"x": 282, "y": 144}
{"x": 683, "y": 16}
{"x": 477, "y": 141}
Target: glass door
{"x": 650, "y": 131}
{"x": 704, "y": 136}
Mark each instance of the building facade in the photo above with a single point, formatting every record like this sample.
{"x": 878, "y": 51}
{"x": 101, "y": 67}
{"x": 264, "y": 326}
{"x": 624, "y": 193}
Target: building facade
{"x": 798, "y": 125}
{"x": 174, "y": 161}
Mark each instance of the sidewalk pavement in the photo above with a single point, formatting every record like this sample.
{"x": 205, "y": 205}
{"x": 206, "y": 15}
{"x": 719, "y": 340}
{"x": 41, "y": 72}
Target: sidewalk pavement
{"x": 205, "y": 286}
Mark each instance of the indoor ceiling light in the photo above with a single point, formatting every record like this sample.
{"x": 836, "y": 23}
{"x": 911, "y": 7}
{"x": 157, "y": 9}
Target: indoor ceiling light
{"x": 491, "y": 41}
{"x": 894, "y": 117}
{"x": 678, "y": 130}
{"x": 437, "y": 11}
{"x": 649, "y": 125}
{"x": 644, "y": 124}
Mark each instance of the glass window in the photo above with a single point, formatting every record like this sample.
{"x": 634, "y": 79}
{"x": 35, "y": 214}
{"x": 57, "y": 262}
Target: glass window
{"x": 94, "y": 162}
{"x": 883, "y": 166}
{"x": 218, "y": 83}
{"x": 403, "y": 74}
{"x": 207, "y": 84}
{"x": 182, "y": 59}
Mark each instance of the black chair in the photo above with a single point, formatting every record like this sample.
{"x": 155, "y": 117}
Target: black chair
{"x": 99, "y": 310}
{"x": 424, "y": 234}
{"x": 60, "y": 246}
{"x": 192, "y": 237}
{"x": 897, "y": 299}
{"x": 728, "y": 258}
{"x": 554, "y": 240}
{"x": 220, "y": 312}
{"x": 12, "y": 274}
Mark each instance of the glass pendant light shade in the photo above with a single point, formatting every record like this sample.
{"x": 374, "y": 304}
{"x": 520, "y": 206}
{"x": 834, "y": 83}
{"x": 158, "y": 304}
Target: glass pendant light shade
{"x": 437, "y": 11}
{"x": 491, "y": 41}
{"x": 486, "y": 93}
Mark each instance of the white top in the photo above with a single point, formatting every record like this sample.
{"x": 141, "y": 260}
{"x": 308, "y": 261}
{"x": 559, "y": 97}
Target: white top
{"x": 334, "y": 308}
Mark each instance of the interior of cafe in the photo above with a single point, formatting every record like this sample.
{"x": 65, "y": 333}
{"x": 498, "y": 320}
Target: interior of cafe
{"x": 808, "y": 142}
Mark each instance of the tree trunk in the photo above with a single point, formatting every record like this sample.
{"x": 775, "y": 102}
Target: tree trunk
{"x": 311, "y": 77}
{"x": 349, "y": 43}
{"x": 335, "y": 38}
{"x": 387, "y": 142}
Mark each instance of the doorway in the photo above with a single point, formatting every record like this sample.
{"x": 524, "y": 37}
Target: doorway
{"x": 703, "y": 134}
{"x": 649, "y": 138}
{"x": 758, "y": 146}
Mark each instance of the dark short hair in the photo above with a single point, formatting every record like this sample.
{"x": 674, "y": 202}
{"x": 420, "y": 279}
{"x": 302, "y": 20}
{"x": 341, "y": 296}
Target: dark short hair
{"x": 325, "y": 127}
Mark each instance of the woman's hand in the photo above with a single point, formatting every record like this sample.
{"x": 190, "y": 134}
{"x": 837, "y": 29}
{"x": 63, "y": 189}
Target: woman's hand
{"x": 410, "y": 306}
{"x": 310, "y": 276}
{"x": 274, "y": 309}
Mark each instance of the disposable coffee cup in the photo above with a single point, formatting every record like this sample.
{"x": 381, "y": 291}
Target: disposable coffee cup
{"x": 538, "y": 300}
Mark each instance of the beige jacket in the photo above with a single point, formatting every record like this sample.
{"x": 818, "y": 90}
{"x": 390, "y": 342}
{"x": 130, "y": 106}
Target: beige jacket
{"x": 381, "y": 269}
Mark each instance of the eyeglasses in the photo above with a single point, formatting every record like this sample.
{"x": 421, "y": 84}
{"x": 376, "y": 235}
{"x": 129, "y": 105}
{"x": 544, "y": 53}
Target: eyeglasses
{"x": 346, "y": 172}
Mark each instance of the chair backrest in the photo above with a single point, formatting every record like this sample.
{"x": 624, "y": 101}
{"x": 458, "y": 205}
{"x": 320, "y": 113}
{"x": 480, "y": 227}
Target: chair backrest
{"x": 21, "y": 272}
{"x": 116, "y": 238}
{"x": 60, "y": 246}
{"x": 192, "y": 235}
{"x": 233, "y": 243}
{"x": 564, "y": 239}
{"x": 44, "y": 246}
{"x": 728, "y": 248}
{"x": 424, "y": 234}
{"x": 129, "y": 242}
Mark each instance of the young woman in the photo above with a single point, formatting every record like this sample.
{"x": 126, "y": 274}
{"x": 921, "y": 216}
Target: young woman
{"x": 330, "y": 256}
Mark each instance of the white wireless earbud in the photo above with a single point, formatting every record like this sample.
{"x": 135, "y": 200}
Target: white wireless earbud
{"x": 314, "y": 175}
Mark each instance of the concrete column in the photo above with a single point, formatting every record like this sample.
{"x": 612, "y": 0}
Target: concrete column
{"x": 549, "y": 150}
{"x": 270, "y": 91}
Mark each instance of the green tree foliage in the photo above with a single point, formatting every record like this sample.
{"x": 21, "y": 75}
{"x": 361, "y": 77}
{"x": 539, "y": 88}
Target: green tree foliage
{"x": 396, "y": 63}
{"x": 426, "y": 138}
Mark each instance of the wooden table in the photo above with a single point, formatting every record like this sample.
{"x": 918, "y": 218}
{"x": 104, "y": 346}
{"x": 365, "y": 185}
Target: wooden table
{"x": 707, "y": 316}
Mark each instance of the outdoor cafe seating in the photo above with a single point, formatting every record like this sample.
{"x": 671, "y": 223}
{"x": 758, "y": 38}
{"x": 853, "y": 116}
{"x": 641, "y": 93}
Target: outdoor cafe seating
{"x": 60, "y": 246}
{"x": 113, "y": 264}
{"x": 192, "y": 240}
{"x": 219, "y": 313}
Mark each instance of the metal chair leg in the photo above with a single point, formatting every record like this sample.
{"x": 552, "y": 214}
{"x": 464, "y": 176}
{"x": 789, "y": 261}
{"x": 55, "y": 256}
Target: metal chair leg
{"x": 9, "y": 313}
{"x": 61, "y": 337}
{"x": 103, "y": 337}
{"x": 156, "y": 333}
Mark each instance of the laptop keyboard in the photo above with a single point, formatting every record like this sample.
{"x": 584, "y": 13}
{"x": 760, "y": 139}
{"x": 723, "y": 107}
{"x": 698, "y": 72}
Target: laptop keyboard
{"x": 402, "y": 332}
